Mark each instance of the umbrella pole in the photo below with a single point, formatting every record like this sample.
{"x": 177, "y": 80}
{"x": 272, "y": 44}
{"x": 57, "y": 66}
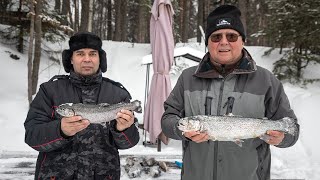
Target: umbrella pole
{"x": 145, "y": 100}
{"x": 159, "y": 144}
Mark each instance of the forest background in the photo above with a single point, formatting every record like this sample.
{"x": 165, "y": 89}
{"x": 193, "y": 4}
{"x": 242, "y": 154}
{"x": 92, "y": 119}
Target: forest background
{"x": 291, "y": 26}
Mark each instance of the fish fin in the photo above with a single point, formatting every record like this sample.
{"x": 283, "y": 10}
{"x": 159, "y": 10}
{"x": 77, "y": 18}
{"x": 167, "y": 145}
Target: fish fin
{"x": 265, "y": 137}
{"x": 290, "y": 124}
{"x": 104, "y": 124}
{"x": 104, "y": 104}
{"x": 238, "y": 142}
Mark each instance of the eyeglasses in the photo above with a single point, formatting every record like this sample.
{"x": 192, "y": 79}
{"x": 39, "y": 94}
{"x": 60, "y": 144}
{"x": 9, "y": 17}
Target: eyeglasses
{"x": 231, "y": 37}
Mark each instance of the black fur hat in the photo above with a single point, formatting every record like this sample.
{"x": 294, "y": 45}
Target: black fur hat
{"x": 224, "y": 17}
{"x": 84, "y": 40}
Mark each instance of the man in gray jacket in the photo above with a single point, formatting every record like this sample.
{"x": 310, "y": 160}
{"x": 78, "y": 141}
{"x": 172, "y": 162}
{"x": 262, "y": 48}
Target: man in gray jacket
{"x": 227, "y": 71}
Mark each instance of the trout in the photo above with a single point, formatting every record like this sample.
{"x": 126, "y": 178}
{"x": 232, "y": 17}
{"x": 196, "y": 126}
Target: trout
{"x": 99, "y": 113}
{"x": 234, "y": 128}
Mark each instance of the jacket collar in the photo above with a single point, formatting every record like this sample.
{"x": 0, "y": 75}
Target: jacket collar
{"x": 206, "y": 69}
{"x": 85, "y": 81}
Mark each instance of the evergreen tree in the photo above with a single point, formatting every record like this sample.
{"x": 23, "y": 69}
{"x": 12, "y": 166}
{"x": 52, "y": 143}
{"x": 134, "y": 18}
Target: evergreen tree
{"x": 295, "y": 26}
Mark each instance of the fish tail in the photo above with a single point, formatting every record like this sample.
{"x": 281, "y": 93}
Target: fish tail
{"x": 290, "y": 125}
{"x": 138, "y": 108}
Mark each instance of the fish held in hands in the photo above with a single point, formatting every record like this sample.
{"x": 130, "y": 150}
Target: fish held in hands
{"x": 97, "y": 113}
{"x": 234, "y": 128}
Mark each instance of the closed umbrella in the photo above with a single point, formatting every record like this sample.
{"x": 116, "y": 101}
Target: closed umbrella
{"x": 162, "y": 46}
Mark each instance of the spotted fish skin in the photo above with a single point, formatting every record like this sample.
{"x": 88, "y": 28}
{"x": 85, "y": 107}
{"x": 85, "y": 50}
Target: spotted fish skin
{"x": 233, "y": 128}
{"x": 99, "y": 113}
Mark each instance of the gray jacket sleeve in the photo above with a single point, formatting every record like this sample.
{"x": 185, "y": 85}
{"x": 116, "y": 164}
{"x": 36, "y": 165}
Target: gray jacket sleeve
{"x": 278, "y": 107}
{"x": 174, "y": 110}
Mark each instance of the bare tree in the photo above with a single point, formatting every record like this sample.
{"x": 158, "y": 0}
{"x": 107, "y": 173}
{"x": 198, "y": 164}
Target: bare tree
{"x": 57, "y": 5}
{"x": 84, "y": 15}
{"x": 117, "y": 30}
{"x": 185, "y": 21}
{"x": 200, "y": 19}
{"x": 243, "y": 8}
{"x": 76, "y": 15}
{"x": 144, "y": 15}
{"x": 37, "y": 46}
{"x": 31, "y": 14}
{"x": 109, "y": 20}
{"x": 90, "y": 15}
{"x": 21, "y": 30}
{"x": 123, "y": 16}
{"x": 65, "y": 12}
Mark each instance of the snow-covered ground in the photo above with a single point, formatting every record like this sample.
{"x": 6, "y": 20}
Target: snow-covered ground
{"x": 17, "y": 160}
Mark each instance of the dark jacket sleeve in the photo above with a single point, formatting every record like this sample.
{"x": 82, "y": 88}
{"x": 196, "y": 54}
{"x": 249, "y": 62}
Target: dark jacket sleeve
{"x": 278, "y": 107}
{"x": 127, "y": 138}
{"x": 174, "y": 110}
{"x": 130, "y": 136}
{"x": 42, "y": 132}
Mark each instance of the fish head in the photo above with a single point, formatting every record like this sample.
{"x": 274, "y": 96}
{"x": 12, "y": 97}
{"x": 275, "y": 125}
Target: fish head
{"x": 187, "y": 124}
{"x": 65, "y": 110}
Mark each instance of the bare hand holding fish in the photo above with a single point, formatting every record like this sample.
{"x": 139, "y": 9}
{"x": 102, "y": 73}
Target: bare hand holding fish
{"x": 71, "y": 125}
{"x": 275, "y": 137}
{"x": 125, "y": 119}
{"x": 196, "y": 136}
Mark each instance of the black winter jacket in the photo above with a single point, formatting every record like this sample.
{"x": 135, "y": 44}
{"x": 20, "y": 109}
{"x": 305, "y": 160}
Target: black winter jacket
{"x": 91, "y": 153}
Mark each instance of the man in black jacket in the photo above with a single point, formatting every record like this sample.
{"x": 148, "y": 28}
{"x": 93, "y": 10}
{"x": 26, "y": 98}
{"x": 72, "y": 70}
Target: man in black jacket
{"x": 71, "y": 147}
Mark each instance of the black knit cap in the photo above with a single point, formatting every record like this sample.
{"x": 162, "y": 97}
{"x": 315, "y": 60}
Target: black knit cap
{"x": 84, "y": 40}
{"x": 224, "y": 17}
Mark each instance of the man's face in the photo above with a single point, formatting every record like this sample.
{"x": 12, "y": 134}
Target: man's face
{"x": 224, "y": 51}
{"x": 85, "y": 61}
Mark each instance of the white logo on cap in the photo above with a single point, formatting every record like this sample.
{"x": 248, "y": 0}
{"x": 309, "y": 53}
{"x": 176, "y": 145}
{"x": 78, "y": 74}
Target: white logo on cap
{"x": 223, "y": 22}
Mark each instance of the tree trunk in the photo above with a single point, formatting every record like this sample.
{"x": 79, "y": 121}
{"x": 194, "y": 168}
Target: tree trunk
{"x": 90, "y": 15}
{"x": 200, "y": 20}
{"x": 144, "y": 15}
{"x": 76, "y": 15}
{"x": 243, "y": 8}
{"x": 84, "y": 15}
{"x": 123, "y": 25}
{"x": 98, "y": 14}
{"x": 109, "y": 21}
{"x": 57, "y": 6}
{"x": 70, "y": 14}
{"x": 65, "y": 12}
{"x": 133, "y": 20}
{"x": 30, "y": 51}
{"x": 185, "y": 21}
{"x": 20, "y": 36}
{"x": 117, "y": 30}
{"x": 37, "y": 47}
{"x": 140, "y": 21}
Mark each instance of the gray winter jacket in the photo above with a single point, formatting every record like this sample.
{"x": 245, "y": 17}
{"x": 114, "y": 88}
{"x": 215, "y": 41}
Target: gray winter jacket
{"x": 201, "y": 90}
